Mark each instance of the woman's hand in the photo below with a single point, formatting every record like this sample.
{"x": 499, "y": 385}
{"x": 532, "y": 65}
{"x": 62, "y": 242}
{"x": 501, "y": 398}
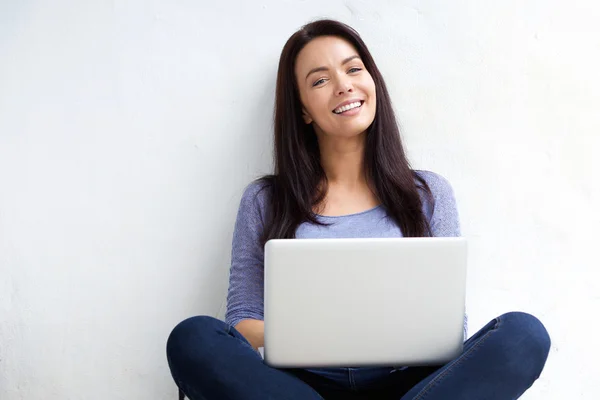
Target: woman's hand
{"x": 254, "y": 332}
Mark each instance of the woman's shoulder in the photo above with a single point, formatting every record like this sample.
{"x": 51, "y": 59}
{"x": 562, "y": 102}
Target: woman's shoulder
{"x": 440, "y": 206}
{"x": 256, "y": 189}
{"x": 441, "y": 193}
{"x": 256, "y": 194}
{"x": 438, "y": 184}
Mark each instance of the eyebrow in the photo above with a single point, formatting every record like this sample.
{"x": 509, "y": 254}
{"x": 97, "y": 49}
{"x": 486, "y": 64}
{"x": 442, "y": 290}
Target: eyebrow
{"x": 319, "y": 69}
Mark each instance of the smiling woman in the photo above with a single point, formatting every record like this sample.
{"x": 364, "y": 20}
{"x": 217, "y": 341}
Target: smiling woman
{"x": 337, "y": 143}
{"x": 340, "y": 171}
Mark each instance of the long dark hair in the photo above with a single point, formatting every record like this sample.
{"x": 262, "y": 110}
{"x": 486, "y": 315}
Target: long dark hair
{"x": 299, "y": 182}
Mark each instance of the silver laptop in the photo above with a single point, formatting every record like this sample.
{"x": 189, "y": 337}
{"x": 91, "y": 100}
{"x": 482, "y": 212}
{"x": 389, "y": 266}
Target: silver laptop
{"x": 364, "y": 302}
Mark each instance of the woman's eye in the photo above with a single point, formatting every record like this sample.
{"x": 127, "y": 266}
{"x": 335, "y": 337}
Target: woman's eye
{"x": 355, "y": 69}
{"x": 317, "y": 83}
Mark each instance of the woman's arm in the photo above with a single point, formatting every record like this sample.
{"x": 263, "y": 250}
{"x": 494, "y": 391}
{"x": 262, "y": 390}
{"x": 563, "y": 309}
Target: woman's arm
{"x": 443, "y": 213}
{"x": 246, "y": 278}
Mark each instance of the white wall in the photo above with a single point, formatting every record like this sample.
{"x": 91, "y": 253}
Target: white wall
{"x": 129, "y": 128}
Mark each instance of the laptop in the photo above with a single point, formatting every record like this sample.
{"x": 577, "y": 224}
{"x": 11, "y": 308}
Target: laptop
{"x": 364, "y": 302}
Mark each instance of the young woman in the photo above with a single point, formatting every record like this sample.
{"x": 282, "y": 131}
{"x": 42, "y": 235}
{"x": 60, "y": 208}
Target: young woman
{"x": 340, "y": 171}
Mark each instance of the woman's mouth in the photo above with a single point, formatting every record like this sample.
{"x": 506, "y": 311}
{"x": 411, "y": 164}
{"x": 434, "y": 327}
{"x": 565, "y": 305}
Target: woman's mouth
{"x": 349, "y": 109}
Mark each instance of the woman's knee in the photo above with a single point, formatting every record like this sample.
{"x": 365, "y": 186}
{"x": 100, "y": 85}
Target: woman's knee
{"x": 190, "y": 339}
{"x": 529, "y": 341}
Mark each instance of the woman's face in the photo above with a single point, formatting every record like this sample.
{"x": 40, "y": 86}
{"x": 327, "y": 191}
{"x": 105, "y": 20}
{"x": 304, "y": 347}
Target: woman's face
{"x": 336, "y": 90}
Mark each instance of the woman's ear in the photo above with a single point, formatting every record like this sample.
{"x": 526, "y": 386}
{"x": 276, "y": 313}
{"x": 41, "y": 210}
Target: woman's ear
{"x": 306, "y": 116}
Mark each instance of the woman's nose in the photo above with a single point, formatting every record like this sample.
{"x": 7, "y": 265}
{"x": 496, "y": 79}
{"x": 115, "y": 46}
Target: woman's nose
{"x": 344, "y": 85}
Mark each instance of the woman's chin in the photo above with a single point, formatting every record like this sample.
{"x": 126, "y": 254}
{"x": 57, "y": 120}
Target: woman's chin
{"x": 347, "y": 130}
{"x": 346, "y": 134}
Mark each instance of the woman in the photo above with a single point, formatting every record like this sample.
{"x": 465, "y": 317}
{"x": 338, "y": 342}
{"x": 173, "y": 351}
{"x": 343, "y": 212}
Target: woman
{"x": 340, "y": 171}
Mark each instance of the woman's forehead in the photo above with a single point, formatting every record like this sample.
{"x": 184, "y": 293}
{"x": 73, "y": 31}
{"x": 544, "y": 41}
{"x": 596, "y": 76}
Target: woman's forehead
{"x": 323, "y": 51}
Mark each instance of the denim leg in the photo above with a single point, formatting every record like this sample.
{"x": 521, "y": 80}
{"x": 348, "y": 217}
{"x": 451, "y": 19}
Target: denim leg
{"x": 211, "y": 360}
{"x": 499, "y": 362}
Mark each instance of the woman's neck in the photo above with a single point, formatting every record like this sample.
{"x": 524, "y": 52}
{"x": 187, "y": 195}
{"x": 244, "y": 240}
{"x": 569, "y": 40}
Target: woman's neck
{"x": 342, "y": 160}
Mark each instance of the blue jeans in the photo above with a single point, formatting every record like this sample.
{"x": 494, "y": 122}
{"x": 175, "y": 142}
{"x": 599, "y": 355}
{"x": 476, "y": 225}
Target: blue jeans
{"x": 211, "y": 360}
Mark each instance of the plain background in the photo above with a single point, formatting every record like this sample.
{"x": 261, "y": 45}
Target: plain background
{"x": 129, "y": 129}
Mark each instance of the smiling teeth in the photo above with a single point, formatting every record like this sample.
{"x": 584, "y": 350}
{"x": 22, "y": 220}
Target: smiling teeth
{"x": 347, "y": 107}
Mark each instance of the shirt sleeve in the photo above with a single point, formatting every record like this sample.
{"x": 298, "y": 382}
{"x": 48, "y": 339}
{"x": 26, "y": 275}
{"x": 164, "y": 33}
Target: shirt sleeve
{"x": 246, "y": 275}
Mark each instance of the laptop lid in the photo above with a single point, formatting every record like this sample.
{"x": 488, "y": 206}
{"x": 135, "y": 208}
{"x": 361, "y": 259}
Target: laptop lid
{"x": 364, "y": 302}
